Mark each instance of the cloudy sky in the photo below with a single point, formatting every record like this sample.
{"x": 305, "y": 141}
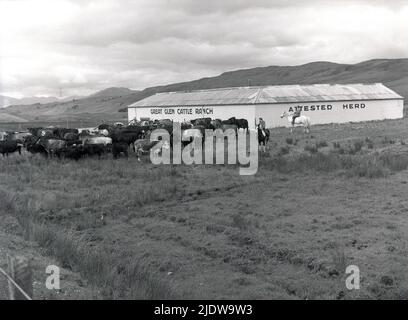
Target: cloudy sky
{"x": 82, "y": 46}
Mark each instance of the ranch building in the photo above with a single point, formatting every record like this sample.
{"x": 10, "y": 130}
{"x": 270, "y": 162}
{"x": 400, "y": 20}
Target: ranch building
{"x": 323, "y": 103}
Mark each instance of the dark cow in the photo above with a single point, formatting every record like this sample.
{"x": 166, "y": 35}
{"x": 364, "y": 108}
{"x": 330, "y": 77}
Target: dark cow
{"x": 35, "y": 131}
{"x": 77, "y": 152}
{"x": 229, "y": 121}
{"x": 42, "y": 132}
{"x": 217, "y": 123}
{"x": 70, "y": 136}
{"x": 118, "y": 148}
{"x": 7, "y": 147}
{"x": 242, "y": 123}
{"x": 205, "y": 122}
{"x": 46, "y": 134}
{"x": 32, "y": 146}
{"x": 61, "y": 132}
{"x": 127, "y": 135}
{"x": 165, "y": 123}
{"x": 105, "y": 126}
{"x": 95, "y": 149}
{"x": 74, "y": 152}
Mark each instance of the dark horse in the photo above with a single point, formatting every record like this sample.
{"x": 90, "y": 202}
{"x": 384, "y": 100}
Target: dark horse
{"x": 263, "y": 138}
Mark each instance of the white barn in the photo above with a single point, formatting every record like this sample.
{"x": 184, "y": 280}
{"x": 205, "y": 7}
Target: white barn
{"x": 323, "y": 103}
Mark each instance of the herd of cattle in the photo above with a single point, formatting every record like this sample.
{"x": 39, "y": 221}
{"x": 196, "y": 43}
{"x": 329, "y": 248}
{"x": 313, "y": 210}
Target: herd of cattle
{"x": 116, "y": 139}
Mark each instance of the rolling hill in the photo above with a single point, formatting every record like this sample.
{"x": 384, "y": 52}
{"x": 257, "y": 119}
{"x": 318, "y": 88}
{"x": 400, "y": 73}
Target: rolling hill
{"x": 5, "y": 117}
{"x": 108, "y": 103}
{"x": 9, "y": 101}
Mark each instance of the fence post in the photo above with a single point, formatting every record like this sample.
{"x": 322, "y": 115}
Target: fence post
{"x": 21, "y": 272}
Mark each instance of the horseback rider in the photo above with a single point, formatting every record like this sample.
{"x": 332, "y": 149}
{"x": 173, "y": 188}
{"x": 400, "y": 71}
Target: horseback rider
{"x": 261, "y": 124}
{"x": 296, "y": 114}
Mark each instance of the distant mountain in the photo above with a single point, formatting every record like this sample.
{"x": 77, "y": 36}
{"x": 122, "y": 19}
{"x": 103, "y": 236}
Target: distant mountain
{"x": 8, "y": 101}
{"x": 113, "y": 92}
{"x": 108, "y": 103}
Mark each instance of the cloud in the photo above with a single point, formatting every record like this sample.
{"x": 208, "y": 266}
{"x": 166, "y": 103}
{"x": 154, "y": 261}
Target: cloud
{"x": 83, "y": 46}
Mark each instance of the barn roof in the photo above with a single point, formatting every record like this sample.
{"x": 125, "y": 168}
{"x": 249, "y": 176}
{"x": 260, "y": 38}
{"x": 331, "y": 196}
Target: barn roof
{"x": 270, "y": 94}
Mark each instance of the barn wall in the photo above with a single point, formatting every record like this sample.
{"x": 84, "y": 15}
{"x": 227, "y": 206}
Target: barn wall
{"x": 180, "y": 114}
{"x": 131, "y": 114}
{"x": 319, "y": 113}
{"x": 333, "y": 112}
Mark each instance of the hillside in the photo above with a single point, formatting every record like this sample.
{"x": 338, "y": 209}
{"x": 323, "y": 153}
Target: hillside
{"x": 9, "y": 101}
{"x": 5, "y": 117}
{"x": 107, "y": 103}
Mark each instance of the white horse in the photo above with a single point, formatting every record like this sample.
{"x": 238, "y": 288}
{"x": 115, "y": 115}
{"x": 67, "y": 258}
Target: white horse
{"x": 302, "y": 121}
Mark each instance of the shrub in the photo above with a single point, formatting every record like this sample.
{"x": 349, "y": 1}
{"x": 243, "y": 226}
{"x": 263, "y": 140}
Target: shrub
{"x": 311, "y": 148}
{"x": 289, "y": 140}
{"x": 322, "y": 144}
{"x": 283, "y": 150}
{"x": 358, "y": 145}
{"x": 342, "y": 151}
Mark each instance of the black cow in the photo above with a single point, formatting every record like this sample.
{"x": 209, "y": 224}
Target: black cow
{"x": 35, "y": 131}
{"x": 61, "y": 132}
{"x": 118, "y": 148}
{"x": 95, "y": 149}
{"x": 229, "y": 121}
{"x": 32, "y": 146}
{"x": 242, "y": 123}
{"x": 217, "y": 123}
{"x": 74, "y": 152}
{"x": 105, "y": 126}
{"x": 70, "y": 136}
{"x": 79, "y": 151}
{"x": 127, "y": 135}
{"x": 7, "y": 147}
{"x": 205, "y": 122}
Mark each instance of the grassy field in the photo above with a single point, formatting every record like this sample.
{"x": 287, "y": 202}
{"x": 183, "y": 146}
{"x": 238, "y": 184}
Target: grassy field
{"x": 319, "y": 202}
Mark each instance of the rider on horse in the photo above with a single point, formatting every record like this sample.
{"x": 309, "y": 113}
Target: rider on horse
{"x": 295, "y": 115}
{"x": 261, "y": 124}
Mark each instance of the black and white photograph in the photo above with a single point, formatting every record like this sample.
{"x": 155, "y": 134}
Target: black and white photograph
{"x": 214, "y": 153}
